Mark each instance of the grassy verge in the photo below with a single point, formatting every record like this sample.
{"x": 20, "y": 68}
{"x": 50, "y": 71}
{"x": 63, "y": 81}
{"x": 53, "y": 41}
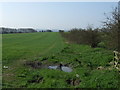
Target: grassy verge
{"x": 0, "y": 61}
{"x": 91, "y": 66}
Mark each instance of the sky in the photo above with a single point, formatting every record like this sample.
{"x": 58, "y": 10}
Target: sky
{"x": 54, "y": 15}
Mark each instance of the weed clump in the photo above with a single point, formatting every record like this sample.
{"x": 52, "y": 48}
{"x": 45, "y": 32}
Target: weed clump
{"x": 36, "y": 79}
{"x": 73, "y": 82}
{"x": 33, "y": 64}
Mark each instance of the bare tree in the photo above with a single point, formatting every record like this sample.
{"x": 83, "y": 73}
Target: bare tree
{"x": 112, "y": 27}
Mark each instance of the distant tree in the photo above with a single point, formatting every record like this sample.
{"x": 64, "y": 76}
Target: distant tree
{"x": 48, "y": 30}
{"x": 61, "y": 30}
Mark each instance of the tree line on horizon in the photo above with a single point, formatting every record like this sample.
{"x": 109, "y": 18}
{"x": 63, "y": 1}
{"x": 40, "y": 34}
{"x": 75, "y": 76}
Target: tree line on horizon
{"x": 20, "y": 30}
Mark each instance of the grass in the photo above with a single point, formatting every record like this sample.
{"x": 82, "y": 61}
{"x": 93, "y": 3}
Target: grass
{"x": 30, "y": 46}
{"x": 0, "y": 61}
{"x": 50, "y": 48}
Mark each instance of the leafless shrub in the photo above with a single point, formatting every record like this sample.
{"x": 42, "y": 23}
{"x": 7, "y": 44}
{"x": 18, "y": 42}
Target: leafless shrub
{"x": 112, "y": 30}
{"x": 82, "y": 36}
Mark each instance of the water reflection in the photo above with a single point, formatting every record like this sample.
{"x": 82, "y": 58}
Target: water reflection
{"x": 63, "y": 68}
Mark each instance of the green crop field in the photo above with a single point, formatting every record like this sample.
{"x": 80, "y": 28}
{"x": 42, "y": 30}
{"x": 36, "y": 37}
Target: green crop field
{"x": 91, "y": 67}
{"x": 32, "y": 45}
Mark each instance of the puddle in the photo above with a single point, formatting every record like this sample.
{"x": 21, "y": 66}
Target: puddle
{"x": 63, "y": 68}
{"x": 66, "y": 69}
{"x": 40, "y": 65}
{"x": 52, "y": 67}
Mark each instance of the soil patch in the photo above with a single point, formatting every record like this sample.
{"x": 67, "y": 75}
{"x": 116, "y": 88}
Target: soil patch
{"x": 34, "y": 64}
{"x": 73, "y": 82}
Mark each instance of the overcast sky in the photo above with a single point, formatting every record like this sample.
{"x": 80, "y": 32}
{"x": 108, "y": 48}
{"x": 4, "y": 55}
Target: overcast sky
{"x": 54, "y": 15}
